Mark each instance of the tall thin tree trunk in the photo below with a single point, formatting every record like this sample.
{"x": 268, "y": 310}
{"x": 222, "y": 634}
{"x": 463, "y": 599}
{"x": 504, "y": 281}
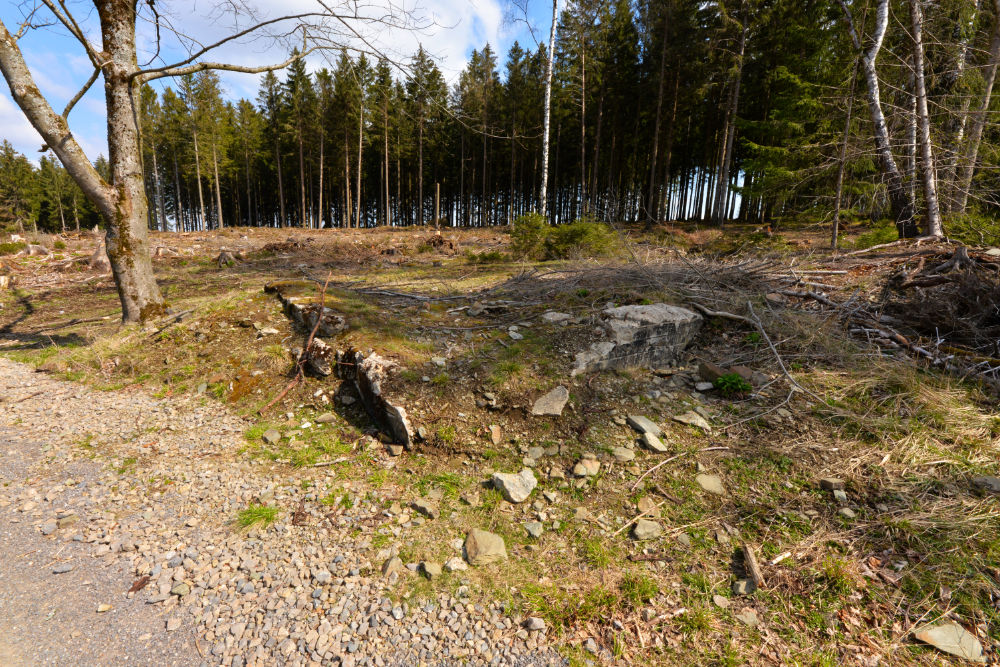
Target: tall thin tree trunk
{"x": 547, "y": 122}
{"x": 650, "y": 206}
{"x": 729, "y": 131}
{"x": 162, "y": 208}
{"x": 197, "y": 169}
{"x": 303, "y": 219}
{"x": 933, "y": 225}
{"x": 361, "y": 137}
{"x": 843, "y": 159}
{"x": 218, "y": 189}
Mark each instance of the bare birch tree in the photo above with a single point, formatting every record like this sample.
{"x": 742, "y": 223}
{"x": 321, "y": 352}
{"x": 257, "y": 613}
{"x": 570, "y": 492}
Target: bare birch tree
{"x": 121, "y": 200}
{"x": 927, "y": 171}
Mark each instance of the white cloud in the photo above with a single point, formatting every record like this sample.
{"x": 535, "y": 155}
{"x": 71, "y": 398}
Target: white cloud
{"x": 17, "y": 130}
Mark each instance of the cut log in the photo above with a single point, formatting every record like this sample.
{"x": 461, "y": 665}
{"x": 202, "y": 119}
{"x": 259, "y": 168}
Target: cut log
{"x": 752, "y": 568}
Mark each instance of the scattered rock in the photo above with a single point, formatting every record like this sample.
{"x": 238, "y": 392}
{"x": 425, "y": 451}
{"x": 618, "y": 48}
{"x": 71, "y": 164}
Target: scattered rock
{"x": 393, "y": 566}
{"x": 647, "y": 506}
{"x": 644, "y": 529}
{"x": 62, "y": 569}
{"x": 515, "y": 488}
{"x": 455, "y": 564}
{"x": 483, "y": 548}
{"x": 534, "y": 528}
{"x": 711, "y": 483}
{"x": 470, "y": 498}
{"x": 496, "y": 435}
{"x": 623, "y": 454}
{"x": 644, "y": 425}
{"x": 369, "y": 374}
{"x": 840, "y": 495}
{"x": 180, "y": 590}
{"x": 640, "y": 335}
{"x": 748, "y": 617}
{"x": 694, "y": 419}
{"x": 533, "y": 624}
{"x": 991, "y": 484}
{"x": 588, "y": 466}
{"x": 952, "y": 639}
{"x": 271, "y": 436}
{"x": 720, "y": 601}
{"x": 552, "y": 317}
{"x": 394, "y": 450}
{"x": 831, "y": 484}
{"x": 704, "y": 386}
{"x": 744, "y": 587}
{"x": 552, "y": 403}
{"x": 426, "y": 507}
{"x": 326, "y": 418}
{"x": 49, "y": 527}
{"x": 652, "y": 443}
{"x": 847, "y": 513}
{"x": 710, "y": 372}
{"x": 173, "y": 623}
{"x": 101, "y": 608}
{"x": 430, "y": 570}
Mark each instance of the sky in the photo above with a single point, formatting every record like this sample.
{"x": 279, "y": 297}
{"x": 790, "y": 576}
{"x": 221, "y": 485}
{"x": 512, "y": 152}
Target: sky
{"x": 448, "y": 29}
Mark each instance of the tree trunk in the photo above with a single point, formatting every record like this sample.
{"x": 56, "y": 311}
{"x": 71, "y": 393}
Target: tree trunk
{"x": 650, "y": 206}
{"x": 954, "y": 126}
{"x": 719, "y": 209}
{"x": 122, "y": 203}
{"x": 361, "y": 137}
{"x": 933, "y": 225}
{"x": 547, "y": 123}
{"x": 420, "y": 171}
{"x": 385, "y": 149}
{"x": 197, "y": 169}
{"x": 902, "y": 204}
{"x": 304, "y": 216}
{"x": 281, "y": 184}
{"x": 218, "y": 189}
{"x": 162, "y": 208}
{"x": 322, "y": 213}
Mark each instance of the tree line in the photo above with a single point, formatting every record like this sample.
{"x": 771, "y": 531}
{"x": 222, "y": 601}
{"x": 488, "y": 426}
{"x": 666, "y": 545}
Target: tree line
{"x": 753, "y": 110}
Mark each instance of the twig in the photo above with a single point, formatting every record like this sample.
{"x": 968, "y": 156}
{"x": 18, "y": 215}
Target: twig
{"x": 777, "y": 356}
{"x": 330, "y": 463}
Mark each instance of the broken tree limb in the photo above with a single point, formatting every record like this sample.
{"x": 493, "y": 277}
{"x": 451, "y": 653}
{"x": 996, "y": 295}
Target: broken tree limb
{"x": 752, "y": 568}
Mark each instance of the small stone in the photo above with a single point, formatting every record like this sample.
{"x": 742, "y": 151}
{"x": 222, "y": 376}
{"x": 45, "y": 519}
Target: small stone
{"x": 455, "y": 564}
{"x": 516, "y": 488}
{"x": 953, "y": 639}
{"x": 483, "y": 548}
{"x": 552, "y": 403}
{"x": 392, "y": 566}
{"x": 271, "y": 436}
{"x": 744, "y": 587}
{"x": 847, "y": 513}
{"x": 439, "y": 361}
{"x": 648, "y": 614}
{"x": 394, "y": 450}
{"x": 704, "y": 386}
{"x": 322, "y": 577}
{"x": 831, "y": 483}
{"x": 426, "y": 507}
{"x": 68, "y": 520}
{"x": 652, "y": 443}
{"x": 647, "y": 506}
{"x": 840, "y": 495}
{"x": 644, "y": 529}
{"x": 591, "y": 646}
{"x": 49, "y": 527}
{"x": 62, "y": 569}
{"x": 534, "y": 528}
{"x": 711, "y": 483}
{"x": 173, "y": 623}
{"x": 533, "y": 624}
{"x": 991, "y": 484}
{"x": 554, "y": 317}
{"x": 496, "y": 435}
{"x": 180, "y": 590}
{"x": 721, "y": 602}
{"x": 430, "y": 569}
{"x": 326, "y": 418}
{"x": 586, "y": 467}
{"x": 101, "y": 608}
{"x": 694, "y": 419}
{"x": 470, "y": 498}
{"x": 644, "y": 425}
{"x": 623, "y": 454}
{"x": 748, "y": 617}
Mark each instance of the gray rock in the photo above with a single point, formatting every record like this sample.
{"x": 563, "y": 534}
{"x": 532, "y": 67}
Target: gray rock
{"x": 744, "y": 586}
{"x": 515, "y": 488}
{"x": 483, "y": 548}
{"x": 644, "y": 425}
{"x": 704, "y": 386}
{"x": 534, "y": 528}
{"x": 847, "y": 513}
{"x": 640, "y": 335}
{"x": 426, "y": 507}
{"x": 49, "y": 527}
{"x": 533, "y": 624}
{"x": 952, "y": 639}
{"x": 623, "y": 454}
{"x": 748, "y": 617}
{"x": 62, "y": 569}
{"x": 991, "y": 484}
{"x": 455, "y": 564}
{"x": 587, "y": 467}
{"x": 831, "y": 483}
{"x": 720, "y": 601}
{"x": 652, "y": 443}
{"x": 647, "y": 506}
{"x": 326, "y": 418}
{"x": 392, "y": 566}
{"x": 553, "y": 317}
{"x": 692, "y": 418}
{"x": 839, "y": 495}
{"x": 711, "y": 483}
{"x": 644, "y": 529}
{"x": 180, "y": 590}
{"x": 271, "y": 436}
{"x": 552, "y": 403}
{"x": 430, "y": 570}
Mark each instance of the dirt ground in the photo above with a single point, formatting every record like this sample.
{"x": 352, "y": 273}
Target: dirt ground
{"x": 845, "y": 386}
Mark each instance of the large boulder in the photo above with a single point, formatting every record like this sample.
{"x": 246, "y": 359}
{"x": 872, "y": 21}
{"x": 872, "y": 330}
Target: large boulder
{"x": 636, "y": 336}
{"x": 371, "y": 376}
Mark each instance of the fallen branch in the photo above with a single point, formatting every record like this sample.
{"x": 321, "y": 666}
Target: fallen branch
{"x": 666, "y": 461}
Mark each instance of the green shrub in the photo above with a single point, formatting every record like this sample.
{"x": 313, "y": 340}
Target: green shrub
{"x": 583, "y": 238}
{"x": 59, "y": 245}
{"x": 532, "y": 237}
{"x": 256, "y": 515}
{"x": 528, "y": 234}
{"x": 973, "y": 229}
{"x": 638, "y": 588}
{"x": 12, "y": 247}
{"x": 485, "y": 257}
{"x": 732, "y": 384}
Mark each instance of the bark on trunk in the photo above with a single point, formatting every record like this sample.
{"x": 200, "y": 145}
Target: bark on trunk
{"x": 933, "y": 223}
{"x": 843, "y": 160}
{"x": 218, "y": 189}
{"x": 547, "y": 123}
{"x": 197, "y": 171}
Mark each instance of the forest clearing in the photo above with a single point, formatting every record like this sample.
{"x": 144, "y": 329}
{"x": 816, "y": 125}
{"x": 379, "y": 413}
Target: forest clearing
{"x": 845, "y": 448}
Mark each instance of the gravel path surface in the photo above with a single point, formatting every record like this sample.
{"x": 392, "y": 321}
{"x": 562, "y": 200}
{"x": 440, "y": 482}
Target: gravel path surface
{"x": 103, "y": 492}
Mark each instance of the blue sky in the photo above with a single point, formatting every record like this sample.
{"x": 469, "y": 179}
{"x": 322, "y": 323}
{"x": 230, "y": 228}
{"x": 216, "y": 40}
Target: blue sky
{"x": 454, "y": 29}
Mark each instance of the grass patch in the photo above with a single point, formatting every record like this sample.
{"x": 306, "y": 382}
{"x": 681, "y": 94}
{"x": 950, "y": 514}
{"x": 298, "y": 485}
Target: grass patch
{"x": 256, "y": 515}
